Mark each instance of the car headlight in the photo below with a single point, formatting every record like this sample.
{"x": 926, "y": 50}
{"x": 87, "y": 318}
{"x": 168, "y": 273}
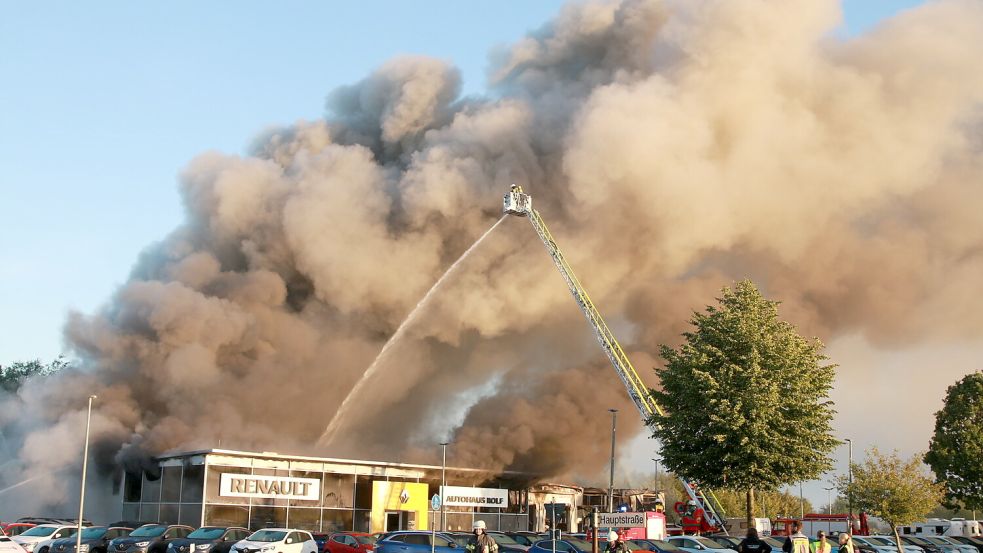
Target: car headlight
{"x": 202, "y": 546}
{"x": 83, "y": 548}
{"x": 28, "y": 546}
{"x": 142, "y": 543}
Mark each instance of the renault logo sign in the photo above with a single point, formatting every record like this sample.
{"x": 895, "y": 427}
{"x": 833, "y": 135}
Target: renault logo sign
{"x": 404, "y": 496}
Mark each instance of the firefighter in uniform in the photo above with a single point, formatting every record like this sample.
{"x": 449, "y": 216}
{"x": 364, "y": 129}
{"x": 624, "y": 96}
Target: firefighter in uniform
{"x": 797, "y": 542}
{"x": 821, "y": 545}
{"x": 615, "y": 544}
{"x": 481, "y": 542}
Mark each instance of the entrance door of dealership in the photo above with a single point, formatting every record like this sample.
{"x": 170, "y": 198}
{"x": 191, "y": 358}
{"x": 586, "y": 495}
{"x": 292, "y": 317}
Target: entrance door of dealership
{"x": 400, "y": 520}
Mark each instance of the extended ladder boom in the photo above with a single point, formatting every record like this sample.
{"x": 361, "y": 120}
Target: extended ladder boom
{"x": 518, "y": 203}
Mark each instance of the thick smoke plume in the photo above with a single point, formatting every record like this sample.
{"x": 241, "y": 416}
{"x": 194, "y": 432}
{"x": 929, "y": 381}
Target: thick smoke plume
{"x": 672, "y": 146}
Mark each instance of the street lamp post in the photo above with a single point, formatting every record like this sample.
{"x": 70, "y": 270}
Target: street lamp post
{"x": 656, "y": 484}
{"x": 802, "y": 503}
{"x": 614, "y": 429}
{"x": 443, "y": 483}
{"x": 849, "y": 490}
{"x": 829, "y": 498}
{"x": 85, "y": 468}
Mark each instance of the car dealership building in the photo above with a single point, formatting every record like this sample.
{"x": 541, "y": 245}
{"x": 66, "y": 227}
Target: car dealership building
{"x": 257, "y": 490}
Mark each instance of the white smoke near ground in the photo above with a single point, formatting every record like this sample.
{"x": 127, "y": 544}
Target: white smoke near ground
{"x": 672, "y": 146}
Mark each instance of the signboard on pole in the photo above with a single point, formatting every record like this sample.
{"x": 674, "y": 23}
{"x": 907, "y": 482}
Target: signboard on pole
{"x": 461, "y": 496}
{"x": 435, "y": 502}
{"x": 621, "y": 520}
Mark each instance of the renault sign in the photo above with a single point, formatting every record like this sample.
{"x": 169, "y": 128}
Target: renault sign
{"x": 278, "y": 487}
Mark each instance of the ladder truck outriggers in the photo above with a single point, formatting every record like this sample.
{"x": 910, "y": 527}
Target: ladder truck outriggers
{"x": 703, "y": 511}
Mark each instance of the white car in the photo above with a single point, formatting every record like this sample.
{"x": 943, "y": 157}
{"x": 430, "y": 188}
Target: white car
{"x": 276, "y": 540}
{"x": 39, "y": 538}
{"x": 8, "y": 545}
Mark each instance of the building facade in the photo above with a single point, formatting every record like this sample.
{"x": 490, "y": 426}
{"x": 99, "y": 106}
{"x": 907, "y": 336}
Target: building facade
{"x": 257, "y": 490}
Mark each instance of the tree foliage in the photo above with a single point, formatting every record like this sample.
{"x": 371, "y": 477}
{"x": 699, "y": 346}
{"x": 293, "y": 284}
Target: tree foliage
{"x": 957, "y": 445}
{"x": 12, "y": 376}
{"x": 769, "y": 504}
{"x": 897, "y": 491}
{"x": 746, "y": 398}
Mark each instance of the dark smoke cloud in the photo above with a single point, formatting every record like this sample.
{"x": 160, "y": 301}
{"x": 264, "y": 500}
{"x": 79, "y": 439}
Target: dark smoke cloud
{"x": 672, "y": 146}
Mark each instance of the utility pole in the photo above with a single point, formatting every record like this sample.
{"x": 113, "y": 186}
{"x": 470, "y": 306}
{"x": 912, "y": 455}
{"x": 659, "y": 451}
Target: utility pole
{"x": 614, "y": 430}
{"x": 829, "y": 498}
{"x": 85, "y": 467}
{"x": 849, "y": 490}
{"x": 802, "y": 503}
{"x": 443, "y": 483}
{"x": 655, "y": 486}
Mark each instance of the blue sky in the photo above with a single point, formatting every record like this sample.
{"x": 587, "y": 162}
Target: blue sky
{"x": 102, "y": 105}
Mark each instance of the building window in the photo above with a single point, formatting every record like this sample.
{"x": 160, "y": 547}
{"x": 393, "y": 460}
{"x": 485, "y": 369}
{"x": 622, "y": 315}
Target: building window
{"x": 132, "y": 484}
{"x": 227, "y": 515}
{"x": 190, "y": 514}
{"x": 269, "y": 501}
{"x": 168, "y": 513}
{"x": 267, "y": 517}
{"x": 131, "y": 511}
{"x": 363, "y": 493}
{"x": 362, "y": 520}
{"x": 151, "y": 489}
{"x": 338, "y": 490}
{"x": 336, "y": 520}
{"x": 170, "y": 487}
{"x": 304, "y": 519}
{"x": 149, "y": 512}
{"x": 191, "y": 484}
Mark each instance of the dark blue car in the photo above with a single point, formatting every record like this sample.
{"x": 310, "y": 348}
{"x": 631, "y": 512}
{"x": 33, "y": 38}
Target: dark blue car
{"x": 566, "y": 545}
{"x": 416, "y": 542}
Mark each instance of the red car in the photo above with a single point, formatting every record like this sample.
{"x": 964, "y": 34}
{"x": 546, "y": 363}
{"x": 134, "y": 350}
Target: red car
{"x": 349, "y": 542}
{"x": 16, "y": 528}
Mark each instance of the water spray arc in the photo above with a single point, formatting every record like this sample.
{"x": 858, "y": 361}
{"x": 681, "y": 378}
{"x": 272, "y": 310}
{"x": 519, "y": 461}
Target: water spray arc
{"x": 520, "y": 204}
{"x": 333, "y": 427}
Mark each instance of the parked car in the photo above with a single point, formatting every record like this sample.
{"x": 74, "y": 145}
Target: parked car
{"x": 95, "y": 539}
{"x": 944, "y": 541}
{"x": 508, "y": 544}
{"x": 149, "y": 538}
{"x": 698, "y": 544}
{"x": 8, "y": 545}
{"x": 12, "y": 529}
{"x": 659, "y": 546}
{"x": 213, "y": 539}
{"x": 927, "y": 546}
{"x": 349, "y": 542}
{"x": 566, "y": 545}
{"x": 38, "y": 539}
{"x": 969, "y": 540}
{"x": 525, "y": 538}
{"x": 411, "y": 541}
{"x": 730, "y": 542}
{"x": 884, "y": 544}
{"x": 277, "y": 540}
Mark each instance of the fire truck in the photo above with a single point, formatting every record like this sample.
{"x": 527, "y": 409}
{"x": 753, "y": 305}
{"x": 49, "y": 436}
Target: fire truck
{"x": 831, "y": 524}
{"x": 518, "y": 203}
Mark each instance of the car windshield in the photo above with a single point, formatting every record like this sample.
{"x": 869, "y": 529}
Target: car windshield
{"x": 461, "y": 539}
{"x": 207, "y": 533}
{"x": 267, "y": 536}
{"x": 707, "y": 542}
{"x": 40, "y": 531}
{"x": 94, "y": 533}
{"x": 148, "y": 531}
{"x": 916, "y": 541}
{"x": 936, "y": 541}
{"x": 665, "y": 546}
{"x": 579, "y": 544}
{"x": 365, "y": 540}
{"x": 502, "y": 539}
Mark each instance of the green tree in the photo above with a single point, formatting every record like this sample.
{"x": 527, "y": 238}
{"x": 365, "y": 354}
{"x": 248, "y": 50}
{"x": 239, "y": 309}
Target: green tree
{"x": 12, "y": 376}
{"x": 768, "y": 504}
{"x": 746, "y": 399}
{"x": 897, "y": 491}
{"x": 957, "y": 445}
